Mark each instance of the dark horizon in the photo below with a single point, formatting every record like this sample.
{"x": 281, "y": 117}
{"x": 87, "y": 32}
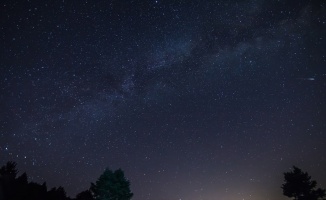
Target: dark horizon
{"x": 192, "y": 99}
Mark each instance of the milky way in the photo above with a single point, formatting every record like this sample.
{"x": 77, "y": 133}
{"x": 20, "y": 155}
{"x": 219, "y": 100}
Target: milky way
{"x": 192, "y": 99}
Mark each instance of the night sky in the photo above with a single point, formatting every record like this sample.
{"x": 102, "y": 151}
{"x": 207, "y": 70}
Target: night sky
{"x": 194, "y": 100}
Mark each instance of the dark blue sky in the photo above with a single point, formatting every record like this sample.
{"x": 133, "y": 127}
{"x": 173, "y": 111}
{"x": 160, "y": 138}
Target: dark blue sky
{"x": 192, "y": 99}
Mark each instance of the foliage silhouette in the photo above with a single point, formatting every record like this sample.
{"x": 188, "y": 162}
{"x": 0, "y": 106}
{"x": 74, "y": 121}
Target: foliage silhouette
{"x": 85, "y": 195}
{"x": 111, "y": 186}
{"x": 8, "y": 174}
{"x": 299, "y": 185}
{"x": 9, "y": 170}
{"x": 12, "y": 188}
{"x": 57, "y": 193}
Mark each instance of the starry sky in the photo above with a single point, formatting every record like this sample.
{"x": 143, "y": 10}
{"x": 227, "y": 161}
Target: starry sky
{"x": 194, "y": 100}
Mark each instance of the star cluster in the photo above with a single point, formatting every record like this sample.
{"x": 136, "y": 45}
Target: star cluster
{"x": 192, "y": 99}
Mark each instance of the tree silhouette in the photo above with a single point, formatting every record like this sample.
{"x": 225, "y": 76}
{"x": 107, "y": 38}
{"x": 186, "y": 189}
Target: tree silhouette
{"x": 9, "y": 170}
{"x": 84, "y": 195}
{"x": 36, "y": 191}
{"x": 299, "y": 185}
{"x": 57, "y": 194}
{"x": 18, "y": 188}
{"x": 8, "y": 174}
{"x": 111, "y": 186}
